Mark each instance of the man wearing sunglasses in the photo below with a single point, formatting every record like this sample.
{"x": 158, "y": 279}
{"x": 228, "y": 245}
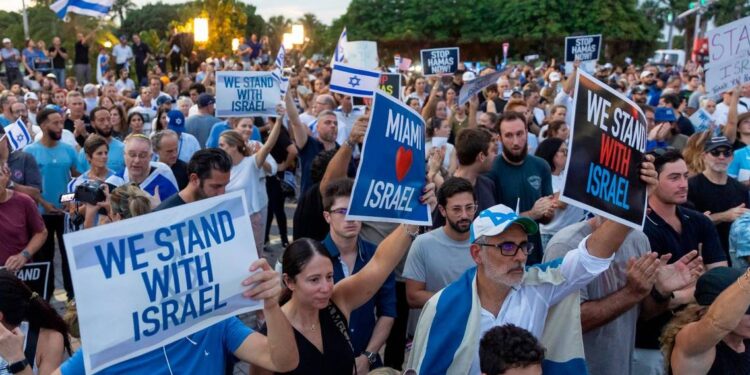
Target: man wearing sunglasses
{"x": 714, "y": 192}
{"x": 500, "y": 290}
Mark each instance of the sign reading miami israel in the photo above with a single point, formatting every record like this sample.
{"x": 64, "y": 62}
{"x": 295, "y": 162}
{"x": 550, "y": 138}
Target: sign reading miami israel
{"x": 607, "y": 147}
{"x": 148, "y": 281}
{"x": 391, "y": 172}
{"x": 246, "y": 94}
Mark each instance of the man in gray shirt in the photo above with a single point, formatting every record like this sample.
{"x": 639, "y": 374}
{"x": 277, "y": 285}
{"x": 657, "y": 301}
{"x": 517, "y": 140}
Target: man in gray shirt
{"x": 440, "y": 256}
{"x": 200, "y": 125}
{"x": 637, "y": 282}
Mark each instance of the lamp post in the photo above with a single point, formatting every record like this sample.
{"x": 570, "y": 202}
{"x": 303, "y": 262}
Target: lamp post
{"x": 200, "y": 30}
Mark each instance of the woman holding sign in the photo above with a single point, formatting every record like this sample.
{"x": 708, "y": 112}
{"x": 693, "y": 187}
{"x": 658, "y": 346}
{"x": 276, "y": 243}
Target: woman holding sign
{"x": 319, "y": 310}
{"x": 32, "y": 336}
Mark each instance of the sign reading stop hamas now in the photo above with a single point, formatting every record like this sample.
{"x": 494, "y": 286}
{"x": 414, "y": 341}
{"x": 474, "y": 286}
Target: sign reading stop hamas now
{"x": 391, "y": 173}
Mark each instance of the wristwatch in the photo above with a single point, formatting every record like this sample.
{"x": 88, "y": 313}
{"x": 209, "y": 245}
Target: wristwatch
{"x": 371, "y": 357}
{"x": 16, "y": 367}
{"x": 26, "y": 254}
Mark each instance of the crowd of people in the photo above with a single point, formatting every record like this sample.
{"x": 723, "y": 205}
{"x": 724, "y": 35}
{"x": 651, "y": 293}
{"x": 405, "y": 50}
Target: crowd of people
{"x": 508, "y": 279}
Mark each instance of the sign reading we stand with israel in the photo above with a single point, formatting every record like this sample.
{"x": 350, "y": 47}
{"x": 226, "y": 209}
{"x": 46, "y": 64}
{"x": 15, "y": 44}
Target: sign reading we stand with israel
{"x": 728, "y": 56}
{"x": 246, "y": 94}
{"x": 607, "y": 146}
{"x": 148, "y": 281}
{"x": 391, "y": 172}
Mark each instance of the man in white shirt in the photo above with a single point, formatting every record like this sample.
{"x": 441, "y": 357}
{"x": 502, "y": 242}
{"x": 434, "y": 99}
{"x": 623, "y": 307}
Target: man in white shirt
{"x": 122, "y": 53}
{"x": 504, "y": 292}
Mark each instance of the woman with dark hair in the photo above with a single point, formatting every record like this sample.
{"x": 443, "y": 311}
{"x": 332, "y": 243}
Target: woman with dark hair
{"x": 25, "y": 313}
{"x": 555, "y": 152}
{"x": 119, "y": 122}
{"x": 135, "y": 123}
{"x": 319, "y": 310}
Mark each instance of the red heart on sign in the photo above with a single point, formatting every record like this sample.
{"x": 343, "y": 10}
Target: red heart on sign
{"x": 403, "y": 162}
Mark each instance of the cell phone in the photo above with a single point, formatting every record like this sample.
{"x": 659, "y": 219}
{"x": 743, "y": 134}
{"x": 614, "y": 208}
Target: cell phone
{"x": 507, "y": 94}
{"x": 65, "y": 198}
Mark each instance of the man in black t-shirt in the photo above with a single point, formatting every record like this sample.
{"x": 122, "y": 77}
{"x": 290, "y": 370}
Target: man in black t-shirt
{"x": 59, "y": 56}
{"x": 284, "y": 152}
{"x": 713, "y": 192}
{"x": 672, "y": 229}
{"x": 166, "y": 145}
{"x": 81, "y": 60}
{"x": 208, "y": 176}
{"x": 142, "y": 54}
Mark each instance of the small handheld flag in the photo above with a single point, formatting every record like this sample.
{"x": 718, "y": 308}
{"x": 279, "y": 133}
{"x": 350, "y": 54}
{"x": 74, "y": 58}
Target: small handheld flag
{"x": 353, "y": 81}
{"x": 17, "y": 134}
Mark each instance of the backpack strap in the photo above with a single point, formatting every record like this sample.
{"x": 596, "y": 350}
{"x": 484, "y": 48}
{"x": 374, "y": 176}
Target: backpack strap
{"x": 340, "y": 322}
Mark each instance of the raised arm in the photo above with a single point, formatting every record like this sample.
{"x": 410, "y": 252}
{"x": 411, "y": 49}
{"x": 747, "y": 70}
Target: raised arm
{"x": 473, "y": 108}
{"x": 299, "y": 130}
{"x": 429, "y": 108}
{"x": 570, "y": 83}
{"x": 730, "y": 130}
{"x": 260, "y": 156}
{"x": 696, "y": 339}
{"x": 339, "y": 163}
{"x": 357, "y": 289}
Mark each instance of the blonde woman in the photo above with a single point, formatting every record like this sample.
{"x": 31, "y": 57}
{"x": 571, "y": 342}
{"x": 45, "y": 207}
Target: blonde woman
{"x": 711, "y": 336}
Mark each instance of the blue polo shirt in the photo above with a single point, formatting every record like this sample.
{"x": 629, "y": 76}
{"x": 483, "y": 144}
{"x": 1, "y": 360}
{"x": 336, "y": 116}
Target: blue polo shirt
{"x": 204, "y": 352}
{"x": 383, "y": 303}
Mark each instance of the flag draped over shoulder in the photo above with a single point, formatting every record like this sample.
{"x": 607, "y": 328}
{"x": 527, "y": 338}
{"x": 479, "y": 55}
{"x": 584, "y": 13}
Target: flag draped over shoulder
{"x": 94, "y": 8}
{"x": 447, "y": 337}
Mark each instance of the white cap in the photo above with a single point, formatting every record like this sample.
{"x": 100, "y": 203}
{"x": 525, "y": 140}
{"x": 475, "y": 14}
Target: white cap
{"x": 646, "y": 73}
{"x": 555, "y": 77}
{"x": 30, "y": 96}
{"x": 6, "y": 40}
{"x": 469, "y": 76}
{"x": 496, "y": 219}
{"x": 89, "y": 87}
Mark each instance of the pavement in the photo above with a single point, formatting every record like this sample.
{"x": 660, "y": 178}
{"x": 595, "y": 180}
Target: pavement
{"x": 272, "y": 253}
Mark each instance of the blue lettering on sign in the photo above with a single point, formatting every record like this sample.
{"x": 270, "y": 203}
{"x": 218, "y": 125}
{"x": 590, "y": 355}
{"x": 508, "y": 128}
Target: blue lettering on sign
{"x": 607, "y": 186}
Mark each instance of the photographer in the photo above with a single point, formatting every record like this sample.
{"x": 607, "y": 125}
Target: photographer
{"x": 96, "y": 150}
{"x": 124, "y": 202}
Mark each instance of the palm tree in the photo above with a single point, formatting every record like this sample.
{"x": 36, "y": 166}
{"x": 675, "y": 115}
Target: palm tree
{"x": 276, "y": 27}
{"x": 120, "y": 7}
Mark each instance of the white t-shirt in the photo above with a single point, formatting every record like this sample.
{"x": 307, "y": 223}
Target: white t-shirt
{"x": 122, "y": 53}
{"x": 248, "y": 177}
{"x": 526, "y": 306}
{"x": 564, "y": 217}
{"x": 721, "y": 114}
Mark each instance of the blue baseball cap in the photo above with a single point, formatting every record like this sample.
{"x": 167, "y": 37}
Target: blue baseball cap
{"x": 496, "y": 220}
{"x": 176, "y": 121}
{"x": 164, "y": 99}
{"x": 662, "y": 114}
{"x": 204, "y": 100}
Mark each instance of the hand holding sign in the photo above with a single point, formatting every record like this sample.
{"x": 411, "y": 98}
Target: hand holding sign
{"x": 649, "y": 174}
{"x": 359, "y": 129}
{"x": 15, "y": 262}
{"x": 265, "y": 283}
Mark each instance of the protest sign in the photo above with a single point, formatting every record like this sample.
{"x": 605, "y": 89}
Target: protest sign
{"x": 728, "y": 57}
{"x": 404, "y": 64}
{"x": 35, "y": 276}
{"x": 585, "y": 49}
{"x": 439, "y": 60}
{"x": 246, "y": 94}
{"x": 391, "y": 84}
{"x": 362, "y": 54}
{"x": 476, "y": 85}
{"x": 391, "y": 172}
{"x": 148, "y": 281}
{"x": 701, "y": 120}
{"x": 607, "y": 147}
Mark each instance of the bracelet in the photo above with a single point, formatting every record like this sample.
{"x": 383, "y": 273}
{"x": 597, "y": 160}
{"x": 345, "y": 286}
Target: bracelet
{"x": 414, "y": 234}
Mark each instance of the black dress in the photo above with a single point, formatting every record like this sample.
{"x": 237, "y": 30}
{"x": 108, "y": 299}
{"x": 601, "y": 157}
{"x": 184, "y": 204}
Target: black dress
{"x": 337, "y": 357}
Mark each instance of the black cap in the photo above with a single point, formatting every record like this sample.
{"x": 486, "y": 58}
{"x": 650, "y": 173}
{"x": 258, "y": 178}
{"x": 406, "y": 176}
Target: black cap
{"x": 713, "y": 282}
{"x": 716, "y": 142}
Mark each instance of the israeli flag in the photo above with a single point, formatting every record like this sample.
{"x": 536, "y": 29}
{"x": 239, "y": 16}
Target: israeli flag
{"x": 352, "y": 81}
{"x": 94, "y": 8}
{"x": 278, "y": 72}
{"x": 339, "y": 54}
{"x": 18, "y": 136}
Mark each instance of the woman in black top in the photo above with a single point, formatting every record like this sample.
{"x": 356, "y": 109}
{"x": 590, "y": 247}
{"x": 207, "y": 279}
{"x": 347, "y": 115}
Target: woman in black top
{"x": 319, "y": 311}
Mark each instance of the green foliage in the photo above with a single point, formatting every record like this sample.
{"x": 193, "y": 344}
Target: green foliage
{"x": 157, "y": 17}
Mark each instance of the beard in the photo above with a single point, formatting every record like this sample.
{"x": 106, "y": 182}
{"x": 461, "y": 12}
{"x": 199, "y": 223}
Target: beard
{"x": 55, "y": 136}
{"x": 501, "y": 274}
{"x": 104, "y": 133}
{"x": 460, "y": 226}
{"x": 516, "y": 158}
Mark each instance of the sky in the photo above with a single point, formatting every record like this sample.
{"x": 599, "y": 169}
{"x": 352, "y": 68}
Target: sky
{"x": 325, "y": 10}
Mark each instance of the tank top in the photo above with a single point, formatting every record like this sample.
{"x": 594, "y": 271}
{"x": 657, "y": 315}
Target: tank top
{"x": 729, "y": 362}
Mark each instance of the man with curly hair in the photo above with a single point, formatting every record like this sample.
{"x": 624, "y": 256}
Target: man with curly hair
{"x": 510, "y": 350}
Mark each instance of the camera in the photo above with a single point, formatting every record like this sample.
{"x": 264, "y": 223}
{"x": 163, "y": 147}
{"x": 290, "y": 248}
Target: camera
{"x": 91, "y": 192}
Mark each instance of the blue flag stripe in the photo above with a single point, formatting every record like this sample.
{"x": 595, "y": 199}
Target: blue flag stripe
{"x": 357, "y": 71}
{"x": 351, "y": 91}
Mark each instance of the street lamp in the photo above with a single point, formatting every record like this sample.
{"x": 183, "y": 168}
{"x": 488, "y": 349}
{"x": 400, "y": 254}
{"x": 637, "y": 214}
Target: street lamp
{"x": 200, "y": 30}
{"x": 235, "y": 44}
{"x": 288, "y": 41}
{"x": 298, "y": 34}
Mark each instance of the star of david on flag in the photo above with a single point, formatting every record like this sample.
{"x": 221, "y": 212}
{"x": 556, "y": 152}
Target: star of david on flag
{"x": 18, "y": 136}
{"x": 352, "y": 81}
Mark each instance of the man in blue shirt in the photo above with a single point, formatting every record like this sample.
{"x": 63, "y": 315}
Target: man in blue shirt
{"x": 200, "y": 125}
{"x": 205, "y": 351}
{"x": 100, "y": 119}
{"x": 57, "y": 163}
{"x": 370, "y": 324}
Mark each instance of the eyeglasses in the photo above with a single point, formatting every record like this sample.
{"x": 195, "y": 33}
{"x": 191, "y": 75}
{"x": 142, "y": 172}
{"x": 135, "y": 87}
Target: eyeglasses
{"x": 716, "y": 152}
{"x": 510, "y": 248}
{"x": 458, "y": 210}
{"x": 340, "y": 211}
